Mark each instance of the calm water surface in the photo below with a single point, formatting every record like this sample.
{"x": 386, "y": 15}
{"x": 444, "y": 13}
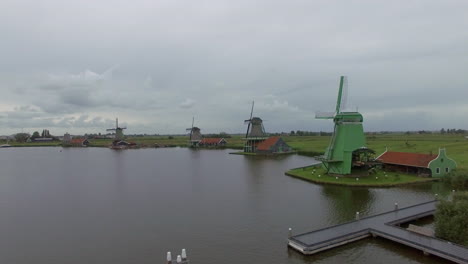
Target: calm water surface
{"x": 98, "y": 206}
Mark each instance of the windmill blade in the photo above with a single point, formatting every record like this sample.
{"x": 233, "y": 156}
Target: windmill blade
{"x": 342, "y": 94}
{"x": 247, "y": 133}
{"x": 191, "y": 130}
{"x": 251, "y": 112}
{"x": 324, "y": 115}
{"x": 249, "y": 120}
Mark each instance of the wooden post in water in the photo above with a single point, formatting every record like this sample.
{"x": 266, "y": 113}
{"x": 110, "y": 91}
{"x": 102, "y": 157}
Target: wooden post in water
{"x": 290, "y": 233}
{"x": 357, "y": 215}
{"x": 396, "y": 206}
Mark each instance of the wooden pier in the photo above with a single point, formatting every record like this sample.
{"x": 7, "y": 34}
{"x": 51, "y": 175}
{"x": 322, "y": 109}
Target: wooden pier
{"x": 383, "y": 225}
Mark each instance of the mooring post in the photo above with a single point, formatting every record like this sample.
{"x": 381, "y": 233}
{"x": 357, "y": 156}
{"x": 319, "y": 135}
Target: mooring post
{"x": 179, "y": 259}
{"x": 396, "y": 206}
{"x": 169, "y": 258}
{"x": 184, "y": 254}
{"x": 289, "y": 232}
{"x": 357, "y": 215}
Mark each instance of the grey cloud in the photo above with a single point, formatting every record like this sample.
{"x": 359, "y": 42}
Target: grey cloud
{"x": 213, "y": 58}
{"x": 187, "y": 103}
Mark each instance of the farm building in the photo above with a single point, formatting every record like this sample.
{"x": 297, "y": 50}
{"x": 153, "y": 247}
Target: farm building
{"x": 212, "y": 142}
{"x": 273, "y": 145}
{"x": 79, "y": 142}
{"x": 421, "y": 164}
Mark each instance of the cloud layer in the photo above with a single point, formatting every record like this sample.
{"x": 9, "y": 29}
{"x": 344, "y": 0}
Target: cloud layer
{"x": 74, "y": 66}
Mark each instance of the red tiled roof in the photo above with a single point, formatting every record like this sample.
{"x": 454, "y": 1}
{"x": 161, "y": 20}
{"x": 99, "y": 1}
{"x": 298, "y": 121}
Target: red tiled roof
{"x": 77, "y": 140}
{"x": 210, "y": 141}
{"x": 406, "y": 158}
{"x": 267, "y": 143}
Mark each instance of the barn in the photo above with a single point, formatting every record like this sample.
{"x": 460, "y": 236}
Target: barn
{"x": 79, "y": 142}
{"x": 273, "y": 145}
{"x": 417, "y": 163}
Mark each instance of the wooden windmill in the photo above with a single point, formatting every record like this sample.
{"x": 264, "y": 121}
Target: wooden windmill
{"x": 195, "y": 135}
{"x": 255, "y": 132}
{"x": 348, "y": 140}
{"x": 118, "y": 130}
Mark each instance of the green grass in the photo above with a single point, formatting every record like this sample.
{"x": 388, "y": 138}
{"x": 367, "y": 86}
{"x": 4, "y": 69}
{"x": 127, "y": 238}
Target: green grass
{"x": 456, "y": 145}
{"x": 381, "y": 179}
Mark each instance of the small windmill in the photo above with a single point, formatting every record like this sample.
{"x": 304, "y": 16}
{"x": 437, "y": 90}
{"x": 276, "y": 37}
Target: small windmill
{"x": 118, "y": 130}
{"x": 255, "y": 125}
{"x": 255, "y": 132}
{"x": 195, "y": 135}
{"x": 348, "y": 138}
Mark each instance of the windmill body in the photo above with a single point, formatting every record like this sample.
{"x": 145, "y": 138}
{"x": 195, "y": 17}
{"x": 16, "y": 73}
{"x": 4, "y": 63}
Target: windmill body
{"x": 255, "y": 132}
{"x": 195, "y": 135}
{"x": 348, "y": 137}
{"x": 119, "y": 135}
{"x": 256, "y": 128}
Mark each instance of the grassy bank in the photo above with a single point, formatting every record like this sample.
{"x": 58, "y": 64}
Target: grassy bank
{"x": 380, "y": 179}
{"x": 456, "y": 145}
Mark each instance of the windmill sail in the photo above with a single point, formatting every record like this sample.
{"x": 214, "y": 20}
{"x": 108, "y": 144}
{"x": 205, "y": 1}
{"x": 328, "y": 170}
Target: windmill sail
{"x": 341, "y": 102}
{"x": 249, "y": 120}
{"x": 344, "y": 94}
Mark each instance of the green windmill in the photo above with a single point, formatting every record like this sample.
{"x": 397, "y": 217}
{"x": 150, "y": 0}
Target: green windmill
{"x": 347, "y": 148}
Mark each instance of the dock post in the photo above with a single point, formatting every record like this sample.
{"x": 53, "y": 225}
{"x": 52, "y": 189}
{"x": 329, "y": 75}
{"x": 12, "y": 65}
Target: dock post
{"x": 396, "y": 206}
{"x": 357, "y": 215}
{"x": 184, "y": 255}
{"x": 179, "y": 259}
{"x": 289, "y": 232}
{"x": 169, "y": 258}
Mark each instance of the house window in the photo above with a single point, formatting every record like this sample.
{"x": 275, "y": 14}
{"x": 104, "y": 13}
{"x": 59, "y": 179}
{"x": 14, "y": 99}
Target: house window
{"x": 446, "y": 169}
{"x": 437, "y": 170}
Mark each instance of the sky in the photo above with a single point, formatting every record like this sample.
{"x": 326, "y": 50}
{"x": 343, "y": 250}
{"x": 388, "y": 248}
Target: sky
{"x": 75, "y": 66}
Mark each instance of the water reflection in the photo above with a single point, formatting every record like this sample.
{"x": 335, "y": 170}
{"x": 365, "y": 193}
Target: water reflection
{"x": 344, "y": 202}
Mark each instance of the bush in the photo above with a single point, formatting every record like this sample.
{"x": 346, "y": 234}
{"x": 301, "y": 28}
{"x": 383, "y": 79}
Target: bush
{"x": 451, "y": 219}
{"x": 458, "y": 179}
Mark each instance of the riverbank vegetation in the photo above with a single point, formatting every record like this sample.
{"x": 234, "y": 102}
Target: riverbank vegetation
{"x": 456, "y": 144}
{"x": 451, "y": 219}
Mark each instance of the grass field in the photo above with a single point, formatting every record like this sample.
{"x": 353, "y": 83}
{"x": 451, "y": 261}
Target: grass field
{"x": 380, "y": 179}
{"x": 456, "y": 145}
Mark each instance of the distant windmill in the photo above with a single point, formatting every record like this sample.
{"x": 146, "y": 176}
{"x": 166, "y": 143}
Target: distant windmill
{"x": 118, "y": 130}
{"x": 255, "y": 125}
{"x": 195, "y": 135}
{"x": 348, "y": 135}
{"x": 255, "y": 132}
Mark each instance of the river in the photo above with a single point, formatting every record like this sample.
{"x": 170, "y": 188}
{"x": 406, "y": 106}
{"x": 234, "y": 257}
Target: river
{"x": 96, "y": 205}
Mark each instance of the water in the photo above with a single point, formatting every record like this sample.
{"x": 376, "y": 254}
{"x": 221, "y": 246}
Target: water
{"x": 96, "y": 205}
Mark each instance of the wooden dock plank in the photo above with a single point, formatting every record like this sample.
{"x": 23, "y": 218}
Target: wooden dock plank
{"x": 383, "y": 225}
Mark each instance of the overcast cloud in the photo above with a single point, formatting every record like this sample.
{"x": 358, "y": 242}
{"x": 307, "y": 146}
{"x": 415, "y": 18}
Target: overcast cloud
{"x": 74, "y": 66}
